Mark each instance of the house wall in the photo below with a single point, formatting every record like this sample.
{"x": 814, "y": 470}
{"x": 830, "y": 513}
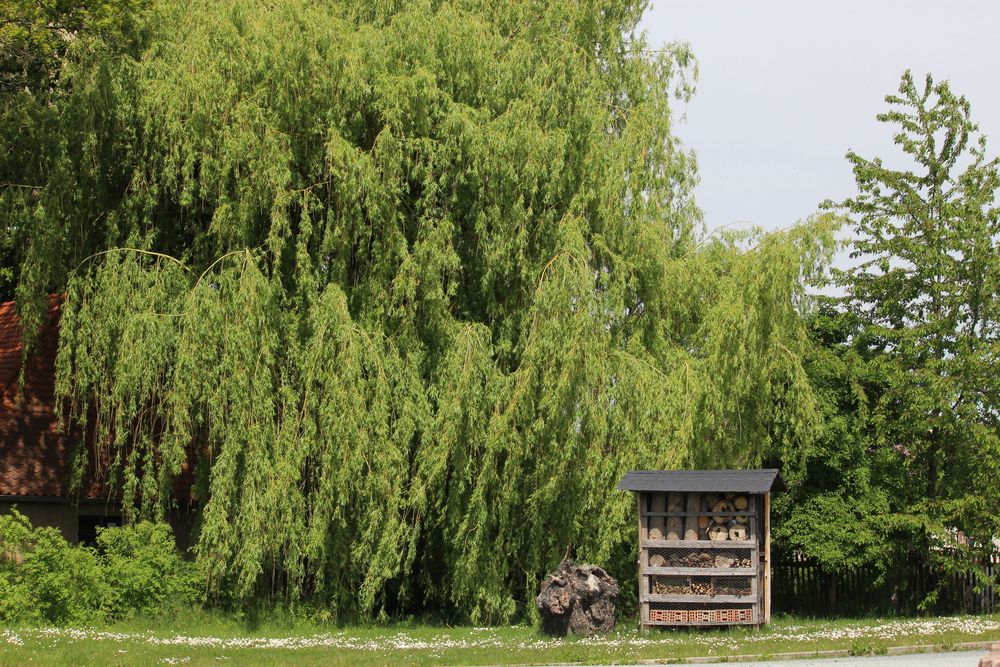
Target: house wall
{"x": 65, "y": 515}
{"x": 61, "y": 515}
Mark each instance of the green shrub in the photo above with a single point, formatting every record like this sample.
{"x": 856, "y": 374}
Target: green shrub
{"x": 15, "y": 532}
{"x": 44, "y": 578}
{"x": 135, "y": 570}
{"x": 145, "y": 573}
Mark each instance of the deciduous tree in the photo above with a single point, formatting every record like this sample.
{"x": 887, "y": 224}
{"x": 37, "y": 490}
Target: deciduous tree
{"x": 910, "y": 450}
{"x": 410, "y": 285}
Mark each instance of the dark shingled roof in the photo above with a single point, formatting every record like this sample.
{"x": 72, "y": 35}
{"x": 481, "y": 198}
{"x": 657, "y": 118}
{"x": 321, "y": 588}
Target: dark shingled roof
{"x": 742, "y": 481}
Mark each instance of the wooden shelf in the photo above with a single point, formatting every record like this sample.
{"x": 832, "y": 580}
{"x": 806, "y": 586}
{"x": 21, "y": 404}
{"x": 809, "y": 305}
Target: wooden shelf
{"x": 701, "y": 623}
{"x": 747, "y": 513}
{"x": 701, "y": 571}
{"x": 698, "y": 544}
{"x": 661, "y": 597}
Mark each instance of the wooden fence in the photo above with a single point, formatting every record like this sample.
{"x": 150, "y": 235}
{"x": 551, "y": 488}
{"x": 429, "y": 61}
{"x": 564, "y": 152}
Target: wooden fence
{"x": 799, "y": 586}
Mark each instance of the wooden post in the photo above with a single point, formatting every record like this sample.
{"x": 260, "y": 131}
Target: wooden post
{"x": 756, "y": 585}
{"x": 643, "y": 579}
{"x": 767, "y": 558}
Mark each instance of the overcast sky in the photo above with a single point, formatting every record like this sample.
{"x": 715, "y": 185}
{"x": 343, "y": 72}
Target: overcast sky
{"x": 786, "y": 88}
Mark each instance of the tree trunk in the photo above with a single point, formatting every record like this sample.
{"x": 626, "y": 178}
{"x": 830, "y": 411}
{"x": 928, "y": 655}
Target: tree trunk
{"x": 932, "y": 463}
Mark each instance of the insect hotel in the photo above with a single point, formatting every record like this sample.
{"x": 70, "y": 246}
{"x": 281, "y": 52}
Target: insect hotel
{"x": 704, "y": 545}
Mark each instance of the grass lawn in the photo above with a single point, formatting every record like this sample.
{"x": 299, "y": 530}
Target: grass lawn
{"x": 197, "y": 640}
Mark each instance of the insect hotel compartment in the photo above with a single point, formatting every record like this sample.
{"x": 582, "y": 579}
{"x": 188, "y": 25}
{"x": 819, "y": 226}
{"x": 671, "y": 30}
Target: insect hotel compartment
{"x": 702, "y": 553}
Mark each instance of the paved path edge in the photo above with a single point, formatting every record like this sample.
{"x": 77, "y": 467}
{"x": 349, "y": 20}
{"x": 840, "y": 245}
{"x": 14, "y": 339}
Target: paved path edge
{"x": 806, "y": 655}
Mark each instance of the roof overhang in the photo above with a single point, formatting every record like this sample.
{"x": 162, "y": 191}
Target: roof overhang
{"x": 763, "y": 480}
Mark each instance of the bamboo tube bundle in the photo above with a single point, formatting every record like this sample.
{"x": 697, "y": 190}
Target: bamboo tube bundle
{"x": 701, "y": 587}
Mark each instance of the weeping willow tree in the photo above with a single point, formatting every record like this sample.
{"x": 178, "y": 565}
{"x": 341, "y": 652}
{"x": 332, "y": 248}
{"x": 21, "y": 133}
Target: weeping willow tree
{"x": 409, "y": 286}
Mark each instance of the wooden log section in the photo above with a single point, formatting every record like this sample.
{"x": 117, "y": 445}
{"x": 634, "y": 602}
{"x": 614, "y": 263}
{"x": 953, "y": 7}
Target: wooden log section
{"x": 738, "y": 532}
{"x": 675, "y": 503}
{"x": 721, "y": 510}
{"x": 657, "y": 503}
{"x": 691, "y": 522}
{"x": 718, "y": 533}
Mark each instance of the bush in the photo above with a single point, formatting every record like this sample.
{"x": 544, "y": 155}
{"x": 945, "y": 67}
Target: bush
{"x": 44, "y": 578}
{"x": 135, "y": 570}
{"x": 145, "y": 573}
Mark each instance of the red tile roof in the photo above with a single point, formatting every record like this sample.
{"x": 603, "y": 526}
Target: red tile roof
{"x": 35, "y": 459}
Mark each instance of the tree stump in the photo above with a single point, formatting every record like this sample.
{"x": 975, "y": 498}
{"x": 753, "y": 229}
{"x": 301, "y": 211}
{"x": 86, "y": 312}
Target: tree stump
{"x": 577, "y": 599}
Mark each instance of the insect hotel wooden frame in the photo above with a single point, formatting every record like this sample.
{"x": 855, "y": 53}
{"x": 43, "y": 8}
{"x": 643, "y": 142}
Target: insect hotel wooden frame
{"x": 704, "y": 545}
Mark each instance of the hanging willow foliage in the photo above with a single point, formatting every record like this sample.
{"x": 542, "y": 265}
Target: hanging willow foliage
{"x": 410, "y": 285}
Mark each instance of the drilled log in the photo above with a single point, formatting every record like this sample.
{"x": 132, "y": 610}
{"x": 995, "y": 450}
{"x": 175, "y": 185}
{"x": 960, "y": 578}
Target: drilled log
{"x": 738, "y": 532}
{"x": 718, "y": 533}
{"x": 722, "y": 506}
